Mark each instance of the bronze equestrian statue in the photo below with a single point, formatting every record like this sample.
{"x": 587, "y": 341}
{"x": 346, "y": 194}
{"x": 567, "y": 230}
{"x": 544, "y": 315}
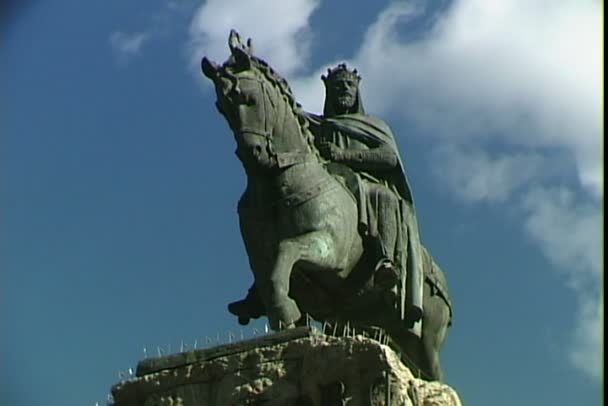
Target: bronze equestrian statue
{"x": 328, "y": 217}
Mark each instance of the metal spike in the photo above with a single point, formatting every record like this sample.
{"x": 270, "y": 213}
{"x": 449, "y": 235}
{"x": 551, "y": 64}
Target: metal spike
{"x": 324, "y": 327}
{"x": 266, "y": 328}
{"x": 230, "y": 337}
{"x": 195, "y": 343}
{"x": 160, "y": 351}
{"x": 130, "y": 372}
{"x": 307, "y": 320}
{"x": 387, "y": 400}
{"x": 280, "y": 325}
{"x": 335, "y": 328}
{"x": 145, "y": 353}
{"x": 181, "y": 346}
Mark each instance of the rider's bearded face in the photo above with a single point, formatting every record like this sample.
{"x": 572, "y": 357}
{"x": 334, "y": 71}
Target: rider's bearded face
{"x": 345, "y": 95}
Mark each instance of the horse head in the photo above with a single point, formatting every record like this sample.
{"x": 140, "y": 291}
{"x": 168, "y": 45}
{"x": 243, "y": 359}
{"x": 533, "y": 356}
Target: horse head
{"x": 258, "y": 106}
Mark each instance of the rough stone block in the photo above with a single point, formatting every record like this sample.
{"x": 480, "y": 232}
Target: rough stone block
{"x": 299, "y": 367}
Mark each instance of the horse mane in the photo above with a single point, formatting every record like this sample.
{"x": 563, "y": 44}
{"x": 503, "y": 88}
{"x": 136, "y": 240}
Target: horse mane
{"x": 286, "y": 93}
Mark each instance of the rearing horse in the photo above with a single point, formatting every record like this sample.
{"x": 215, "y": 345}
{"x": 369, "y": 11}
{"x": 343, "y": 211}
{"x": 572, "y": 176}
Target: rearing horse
{"x": 299, "y": 222}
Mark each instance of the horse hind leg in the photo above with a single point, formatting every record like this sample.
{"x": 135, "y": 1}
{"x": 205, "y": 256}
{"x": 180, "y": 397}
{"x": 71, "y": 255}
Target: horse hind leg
{"x": 421, "y": 354}
{"x": 432, "y": 365}
{"x": 316, "y": 247}
{"x": 433, "y": 336}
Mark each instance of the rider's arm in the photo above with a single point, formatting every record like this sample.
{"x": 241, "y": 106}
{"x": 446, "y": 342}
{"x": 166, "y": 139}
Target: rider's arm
{"x": 381, "y": 157}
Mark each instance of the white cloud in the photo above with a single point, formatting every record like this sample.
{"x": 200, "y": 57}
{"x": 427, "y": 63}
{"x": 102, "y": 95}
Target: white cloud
{"x": 280, "y": 30}
{"x": 128, "y": 45}
{"x": 588, "y": 337}
{"x": 570, "y": 233}
{"x": 474, "y": 174}
{"x": 159, "y": 24}
{"x": 529, "y": 70}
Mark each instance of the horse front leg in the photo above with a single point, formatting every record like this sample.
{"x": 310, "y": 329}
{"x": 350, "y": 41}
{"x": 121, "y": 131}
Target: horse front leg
{"x": 315, "y": 247}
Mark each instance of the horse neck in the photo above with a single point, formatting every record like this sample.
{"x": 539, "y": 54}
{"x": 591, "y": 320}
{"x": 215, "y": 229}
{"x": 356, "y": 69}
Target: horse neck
{"x": 260, "y": 187}
{"x": 288, "y": 136}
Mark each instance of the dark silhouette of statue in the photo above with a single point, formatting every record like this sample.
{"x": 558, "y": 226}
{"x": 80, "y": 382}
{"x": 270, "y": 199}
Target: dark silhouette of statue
{"x": 327, "y": 216}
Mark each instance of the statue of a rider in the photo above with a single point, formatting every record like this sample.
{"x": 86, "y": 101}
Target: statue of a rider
{"x": 345, "y": 135}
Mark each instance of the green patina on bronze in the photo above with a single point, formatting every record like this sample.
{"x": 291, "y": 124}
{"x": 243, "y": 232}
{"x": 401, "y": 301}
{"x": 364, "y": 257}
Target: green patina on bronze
{"x": 328, "y": 216}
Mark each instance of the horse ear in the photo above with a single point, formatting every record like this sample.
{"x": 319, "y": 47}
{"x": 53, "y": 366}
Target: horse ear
{"x": 234, "y": 40}
{"x": 240, "y": 51}
{"x": 209, "y": 68}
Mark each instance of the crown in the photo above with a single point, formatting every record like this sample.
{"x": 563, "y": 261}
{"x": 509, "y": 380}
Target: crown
{"x": 341, "y": 72}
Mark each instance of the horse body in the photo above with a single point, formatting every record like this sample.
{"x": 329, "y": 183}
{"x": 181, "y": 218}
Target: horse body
{"x": 299, "y": 222}
{"x": 309, "y": 228}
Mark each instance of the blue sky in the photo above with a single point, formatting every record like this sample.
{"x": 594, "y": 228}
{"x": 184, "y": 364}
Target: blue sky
{"x": 119, "y": 181}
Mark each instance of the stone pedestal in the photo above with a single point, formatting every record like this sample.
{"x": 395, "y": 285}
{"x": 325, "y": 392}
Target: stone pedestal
{"x": 299, "y": 367}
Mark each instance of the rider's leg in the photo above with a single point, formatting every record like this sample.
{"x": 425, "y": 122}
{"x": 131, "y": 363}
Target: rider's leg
{"x": 385, "y": 208}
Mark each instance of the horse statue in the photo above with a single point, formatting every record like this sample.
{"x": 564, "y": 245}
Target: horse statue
{"x": 299, "y": 221}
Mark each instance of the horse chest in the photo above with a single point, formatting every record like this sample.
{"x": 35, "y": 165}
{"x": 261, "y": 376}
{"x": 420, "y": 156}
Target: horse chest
{"x": 301, "y": 184}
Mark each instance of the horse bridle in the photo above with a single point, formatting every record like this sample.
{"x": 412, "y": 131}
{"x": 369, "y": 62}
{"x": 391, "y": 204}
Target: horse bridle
{"x": 266, "y": 133}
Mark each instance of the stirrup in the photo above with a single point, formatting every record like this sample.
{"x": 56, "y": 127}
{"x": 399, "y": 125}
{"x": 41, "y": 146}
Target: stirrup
{"x": 385, "y": 274}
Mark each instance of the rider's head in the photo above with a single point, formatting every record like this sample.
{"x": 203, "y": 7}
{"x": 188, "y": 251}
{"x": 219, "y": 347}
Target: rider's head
{"x": 342, "y": 94}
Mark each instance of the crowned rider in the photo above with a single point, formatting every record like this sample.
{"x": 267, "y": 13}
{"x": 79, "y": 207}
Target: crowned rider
{"x": 348, "y": 136}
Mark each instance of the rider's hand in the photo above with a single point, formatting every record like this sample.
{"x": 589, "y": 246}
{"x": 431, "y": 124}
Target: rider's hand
{"x": 330, "y": 151}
